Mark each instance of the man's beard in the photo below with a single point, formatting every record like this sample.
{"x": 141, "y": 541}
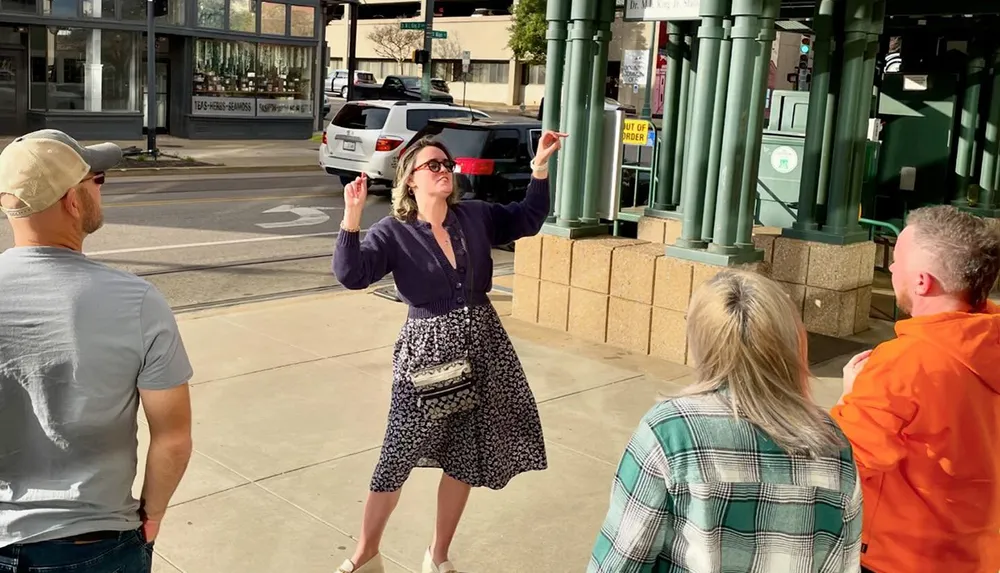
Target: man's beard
{"x": 904, "y": 303}
{"x": 93, "y": 218}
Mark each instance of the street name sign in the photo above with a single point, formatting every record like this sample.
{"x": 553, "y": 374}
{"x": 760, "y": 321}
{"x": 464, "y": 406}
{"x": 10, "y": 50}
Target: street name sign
{"x": 657, "y": 10}
{"x": 412, "y": 25}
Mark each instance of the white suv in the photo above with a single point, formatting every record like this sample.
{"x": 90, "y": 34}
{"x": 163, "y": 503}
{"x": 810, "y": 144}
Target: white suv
{"x": 366, "y": 136}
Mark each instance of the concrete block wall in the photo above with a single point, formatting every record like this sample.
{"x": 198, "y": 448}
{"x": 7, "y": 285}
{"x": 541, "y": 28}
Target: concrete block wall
{"x": 618, "y": 291}
{"x": 831, "y": 284}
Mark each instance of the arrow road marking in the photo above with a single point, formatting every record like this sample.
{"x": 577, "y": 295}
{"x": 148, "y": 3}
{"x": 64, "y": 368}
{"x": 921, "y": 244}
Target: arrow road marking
{"x": 307, "y": 216}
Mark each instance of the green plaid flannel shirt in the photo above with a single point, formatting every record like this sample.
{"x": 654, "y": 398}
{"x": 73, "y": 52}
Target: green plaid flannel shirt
{"x": 699, "y": 491}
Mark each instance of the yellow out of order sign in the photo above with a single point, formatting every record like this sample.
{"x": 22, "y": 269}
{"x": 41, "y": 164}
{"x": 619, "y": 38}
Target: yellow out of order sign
{"x": 635, "y": 132}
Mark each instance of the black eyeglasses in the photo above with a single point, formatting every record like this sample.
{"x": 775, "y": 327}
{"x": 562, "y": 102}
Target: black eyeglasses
{"x": 436, "y": 165}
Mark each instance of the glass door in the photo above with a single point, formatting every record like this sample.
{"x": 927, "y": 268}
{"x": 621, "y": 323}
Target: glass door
{"x": 13, "y": 92}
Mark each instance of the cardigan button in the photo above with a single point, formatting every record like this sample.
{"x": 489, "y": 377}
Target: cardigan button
{"x": 460, "y": 300}
{"x": 458, "y": 285}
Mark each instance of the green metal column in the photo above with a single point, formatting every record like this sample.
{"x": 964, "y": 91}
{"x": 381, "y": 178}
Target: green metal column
{"x": 755, "y": 125}
{"x": 647, "y": 97}
{"x": 692, "y": 86}
{"x": 816, "y": 125}
{"x": 556, "y": 12}
{"x": 664, "y": 199}
{"x": 682, "y": 113}
{"x": 595, "y": 132}
{"x": 718, "y": 121}
{"x": 864, "y": 114}
{"x": 967, "y": 130}
{"x": 746, "y": 27}
{"x": 560, "y": 167}
{"x": 991, "y": 150}
{"x": 581, "y": 37}
{"x": 710, "y": 36}
{"x": 856, "y": 21}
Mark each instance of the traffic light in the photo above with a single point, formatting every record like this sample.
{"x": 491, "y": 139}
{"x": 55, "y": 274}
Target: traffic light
{"x": 804, "y": 48}
{"x": 421, "y": 57}
{"x": 160, "y": 7}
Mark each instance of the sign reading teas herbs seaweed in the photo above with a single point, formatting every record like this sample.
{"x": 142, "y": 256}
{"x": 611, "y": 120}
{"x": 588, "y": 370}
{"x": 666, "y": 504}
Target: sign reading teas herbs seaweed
{"x": 230, "y": 106}
{"x": 282, "y": 107}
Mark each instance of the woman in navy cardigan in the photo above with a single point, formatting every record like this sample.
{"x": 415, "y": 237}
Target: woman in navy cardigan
{"x": 439, "y": 253}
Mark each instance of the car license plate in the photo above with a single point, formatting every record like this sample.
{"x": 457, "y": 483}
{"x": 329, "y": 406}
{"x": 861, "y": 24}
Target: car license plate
{"x": 350, "y": 146}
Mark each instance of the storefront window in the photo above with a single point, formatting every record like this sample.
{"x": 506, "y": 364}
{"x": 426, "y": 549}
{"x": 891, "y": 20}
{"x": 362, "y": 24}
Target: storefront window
{"x": 272, "y": 19}
{"x": 285, "y": 86}
{"x": 211, "y": 13}
{"x": 133, "y": 10}
{"x": 225, "y": 78}
{"x": 241, "y": 79}
{"x": 84, "y": 70}
{"x": 302, "y": 21}
{"x": 175, "y": 14}
{"x": 99, "y": 9}
{"x": 243, "y": 15}
{"x": 64, "y": 8}
{"x": 21, "y": 6}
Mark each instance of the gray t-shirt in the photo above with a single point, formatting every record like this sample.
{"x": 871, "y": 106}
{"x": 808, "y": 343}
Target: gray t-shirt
{"x": 77, "y": 341}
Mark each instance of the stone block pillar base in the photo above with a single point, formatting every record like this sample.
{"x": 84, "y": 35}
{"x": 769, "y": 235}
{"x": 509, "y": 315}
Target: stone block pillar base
{"x": 831, "y": 284}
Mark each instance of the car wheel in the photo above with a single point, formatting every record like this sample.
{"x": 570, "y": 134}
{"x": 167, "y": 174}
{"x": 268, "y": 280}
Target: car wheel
{"x": 343, "y": 92}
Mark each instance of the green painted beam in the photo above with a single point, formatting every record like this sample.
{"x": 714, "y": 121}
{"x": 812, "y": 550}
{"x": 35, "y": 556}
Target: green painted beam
{"x": 563, "y": 118}
{"x": 817, "y": 129}
{"x": 682, "y": 113}
{"x": 718, "y": 122}
{"x": 965, "y": 148}
{"x": 746, "y": 27}
{"x": 664, "y": 196}
{"x": 865, "y": 105}
{"x": 595, "y": 131}
{"x": 857, "y": 19}
{"x": 710, "y": 35}
{"x": 755, "y": 124}
{"x": 556, "y": 13}
{"x": 581, "y": 37}
{"x": 991, "y": 150}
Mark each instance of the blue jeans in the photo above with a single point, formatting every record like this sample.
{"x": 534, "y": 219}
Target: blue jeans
{"x": 105, "y": 552}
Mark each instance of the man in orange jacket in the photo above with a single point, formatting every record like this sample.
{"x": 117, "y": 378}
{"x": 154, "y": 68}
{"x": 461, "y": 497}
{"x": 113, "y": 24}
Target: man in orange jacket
{"x": 923, "y": 411}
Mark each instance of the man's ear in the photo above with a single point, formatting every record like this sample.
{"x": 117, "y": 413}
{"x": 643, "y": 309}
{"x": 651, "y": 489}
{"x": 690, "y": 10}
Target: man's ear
{"x": 924, "y": 283}
{"x": 71, "y": 202}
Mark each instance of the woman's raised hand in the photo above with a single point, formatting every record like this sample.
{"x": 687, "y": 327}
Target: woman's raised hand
{"x": 355, "y": 193}
{"x": 550, "y": 142}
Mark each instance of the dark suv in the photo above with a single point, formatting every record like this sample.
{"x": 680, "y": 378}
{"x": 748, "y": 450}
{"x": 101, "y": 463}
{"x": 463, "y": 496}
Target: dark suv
{"x": 492, "y": 156}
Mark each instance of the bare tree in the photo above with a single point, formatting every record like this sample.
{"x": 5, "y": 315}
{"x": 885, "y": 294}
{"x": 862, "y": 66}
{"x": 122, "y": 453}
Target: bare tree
{"x": 394, "y": 44}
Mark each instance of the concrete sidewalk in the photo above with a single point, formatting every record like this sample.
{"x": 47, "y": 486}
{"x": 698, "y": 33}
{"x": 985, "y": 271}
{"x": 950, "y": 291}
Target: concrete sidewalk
{"x": 290, "y": 401}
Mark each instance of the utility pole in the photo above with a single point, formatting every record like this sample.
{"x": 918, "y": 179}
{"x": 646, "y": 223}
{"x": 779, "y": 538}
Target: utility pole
{"x": 152, "y": 9}
{"x": 352, "y": 50}
{"x": 425, "y": 85}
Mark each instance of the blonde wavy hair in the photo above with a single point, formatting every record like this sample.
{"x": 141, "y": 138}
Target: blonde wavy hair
{"x": 747, "y": 338}
{"x": 404, "y": 205}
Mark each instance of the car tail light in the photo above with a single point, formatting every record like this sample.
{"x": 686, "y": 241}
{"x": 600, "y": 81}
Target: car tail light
{"x": 387, "y": 143}
{"x": 474, "y": 166}
{"x": 324, "y": 138}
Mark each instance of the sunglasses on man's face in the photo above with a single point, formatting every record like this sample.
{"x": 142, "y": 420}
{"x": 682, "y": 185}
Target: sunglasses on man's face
{"x": 98, "y": 179}
{"x": 437, "y": 165}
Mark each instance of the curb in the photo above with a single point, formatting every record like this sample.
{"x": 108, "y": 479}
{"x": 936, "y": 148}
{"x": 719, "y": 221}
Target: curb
{"x": 212, "y": 170}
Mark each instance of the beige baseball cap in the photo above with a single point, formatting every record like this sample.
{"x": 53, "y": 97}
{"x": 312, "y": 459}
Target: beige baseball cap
{"x": 40, "y": 167}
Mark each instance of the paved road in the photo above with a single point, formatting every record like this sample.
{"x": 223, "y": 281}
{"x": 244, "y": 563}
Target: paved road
{"x": 212, "y": 240}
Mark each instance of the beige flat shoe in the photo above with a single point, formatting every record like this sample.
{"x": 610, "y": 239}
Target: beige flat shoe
{"x": 430, "y": 567}
{"x": 374, "y": 565}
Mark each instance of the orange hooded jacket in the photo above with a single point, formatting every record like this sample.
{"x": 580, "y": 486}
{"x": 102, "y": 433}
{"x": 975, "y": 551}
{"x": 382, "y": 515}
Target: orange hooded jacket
{"x": 924, "y": 420}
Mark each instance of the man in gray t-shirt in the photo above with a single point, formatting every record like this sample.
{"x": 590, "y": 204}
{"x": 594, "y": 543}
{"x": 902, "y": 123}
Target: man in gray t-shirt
{"x": 81, "y": 346}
